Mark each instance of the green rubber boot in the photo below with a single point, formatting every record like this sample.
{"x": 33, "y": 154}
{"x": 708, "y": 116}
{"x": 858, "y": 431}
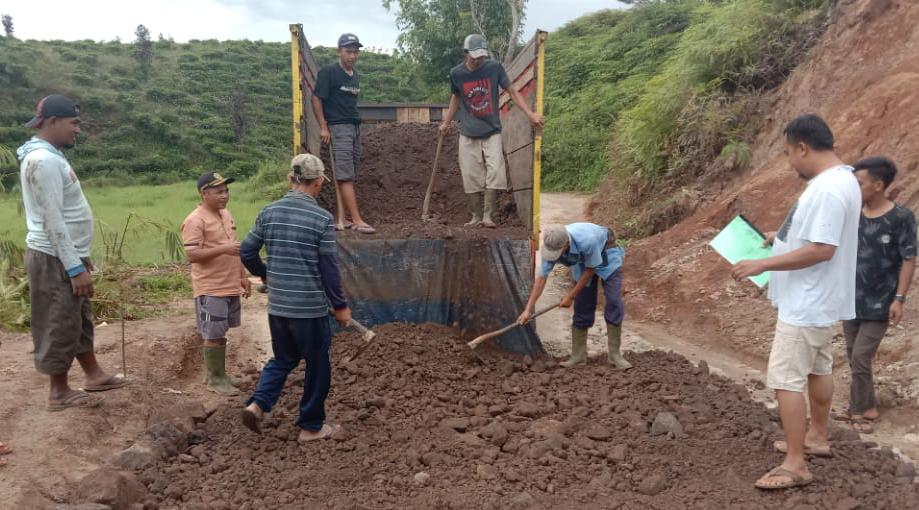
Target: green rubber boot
{"x": 215, "y": 364}
{"x": 614, "y": 342}
{"x": 475, "y": 207}
{"x": 578, "y": 348}
{"x": 491, "y": 203}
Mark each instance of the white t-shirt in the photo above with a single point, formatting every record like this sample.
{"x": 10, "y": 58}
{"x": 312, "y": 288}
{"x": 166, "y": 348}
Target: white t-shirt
{"x": 827, "y": 212}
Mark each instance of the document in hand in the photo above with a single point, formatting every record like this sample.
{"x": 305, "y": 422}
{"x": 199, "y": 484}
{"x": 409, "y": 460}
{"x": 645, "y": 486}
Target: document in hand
{"x": 740, "y": 240}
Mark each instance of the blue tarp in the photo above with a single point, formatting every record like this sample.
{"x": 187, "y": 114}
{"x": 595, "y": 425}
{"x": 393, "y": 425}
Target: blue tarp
{"x": 474, "y": 285}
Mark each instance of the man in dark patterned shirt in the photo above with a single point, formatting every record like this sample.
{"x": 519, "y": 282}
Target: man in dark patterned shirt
{"x": 886, "y": 260}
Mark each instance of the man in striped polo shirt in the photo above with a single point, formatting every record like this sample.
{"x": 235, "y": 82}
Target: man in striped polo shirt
{"x": 303, "y": 280}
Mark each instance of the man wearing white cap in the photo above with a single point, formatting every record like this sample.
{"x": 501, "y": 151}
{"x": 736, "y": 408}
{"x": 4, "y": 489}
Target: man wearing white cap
{"x": 475, "y": 85}
{"x": 594, "y": 258}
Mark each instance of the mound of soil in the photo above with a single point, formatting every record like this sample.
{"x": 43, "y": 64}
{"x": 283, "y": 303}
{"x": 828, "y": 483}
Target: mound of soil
{"x": 425, "y": 425}
{"x": 393, "y": 178}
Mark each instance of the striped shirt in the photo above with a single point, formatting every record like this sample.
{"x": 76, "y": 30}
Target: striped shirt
{"x": 301, "y": 273}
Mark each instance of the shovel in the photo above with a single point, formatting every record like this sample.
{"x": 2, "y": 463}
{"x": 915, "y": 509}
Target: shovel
{"x": 339, "y": 206}
{"x": 426, "y": 208}
{"x": 487, "y": 336}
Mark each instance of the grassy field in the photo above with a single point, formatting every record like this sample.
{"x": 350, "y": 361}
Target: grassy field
{"x": 145, "y": 244}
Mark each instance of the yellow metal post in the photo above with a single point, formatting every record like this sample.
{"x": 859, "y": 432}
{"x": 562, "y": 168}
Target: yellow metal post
{"x": 537, "y": 142}
{"x": 296, "y": 81}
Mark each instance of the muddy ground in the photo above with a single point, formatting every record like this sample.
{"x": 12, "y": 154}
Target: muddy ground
{"x": 393, "y": 178}
{"x": 426, "y": 425}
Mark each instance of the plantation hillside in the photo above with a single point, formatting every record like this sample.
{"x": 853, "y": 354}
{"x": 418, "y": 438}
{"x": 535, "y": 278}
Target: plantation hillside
{"x": 202, "y": 105}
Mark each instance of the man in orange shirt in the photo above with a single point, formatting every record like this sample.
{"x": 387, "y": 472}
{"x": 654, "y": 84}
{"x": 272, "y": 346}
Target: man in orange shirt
{"x": 217, "y": 275}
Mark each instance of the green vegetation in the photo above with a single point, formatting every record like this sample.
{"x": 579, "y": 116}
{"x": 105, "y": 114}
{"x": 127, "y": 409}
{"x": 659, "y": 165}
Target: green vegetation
{"x": 180, "y": 117}
{"x": 657, "y": 92}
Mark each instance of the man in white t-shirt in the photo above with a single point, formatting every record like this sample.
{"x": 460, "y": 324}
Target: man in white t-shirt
{"x": 812, "y": 283}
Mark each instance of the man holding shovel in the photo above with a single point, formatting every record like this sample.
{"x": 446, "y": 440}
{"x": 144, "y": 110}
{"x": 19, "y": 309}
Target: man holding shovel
{"x": 595, "y": 260}
{"x": 303, "y": 278}
{"x": 475, "y": 85}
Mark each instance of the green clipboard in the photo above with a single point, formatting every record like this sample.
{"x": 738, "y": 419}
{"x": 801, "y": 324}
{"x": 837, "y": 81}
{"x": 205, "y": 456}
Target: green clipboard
{"x": 741, "y": 240}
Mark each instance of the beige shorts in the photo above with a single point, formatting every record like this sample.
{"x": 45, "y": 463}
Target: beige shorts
{"x": 798, "y": 352}
{"x": 482, "y": 163}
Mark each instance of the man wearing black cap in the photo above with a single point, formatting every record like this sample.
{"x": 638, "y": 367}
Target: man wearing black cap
{"x": 335, "y": 106}
{"x": 60, "y": 235}
{"x": 217, "y": 275}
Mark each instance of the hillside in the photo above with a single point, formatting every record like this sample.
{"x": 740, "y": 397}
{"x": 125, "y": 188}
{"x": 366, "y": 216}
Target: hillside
{"x": 861, "y": 78}
{"x": 175, "y": 120}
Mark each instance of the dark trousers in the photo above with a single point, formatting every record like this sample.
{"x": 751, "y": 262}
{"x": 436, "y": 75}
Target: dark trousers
{"x": 585, "y": 303}
{"x": 862, "y": 341}
{"x": 293, "y": 340}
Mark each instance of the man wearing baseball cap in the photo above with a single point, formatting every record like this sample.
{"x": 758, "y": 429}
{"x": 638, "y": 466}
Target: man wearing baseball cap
{"x": 475, "y": 85}
{"x": 217, "y": 276}
{"x": 595, "y": 259}
{"x": 57, "y": 259}
{"x": 335, "y": 107}
{"x": 303, "y": 282}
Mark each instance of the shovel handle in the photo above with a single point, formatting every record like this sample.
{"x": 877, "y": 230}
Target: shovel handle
{"x": 487, "y": 336}
{"x": 426, "y": 207}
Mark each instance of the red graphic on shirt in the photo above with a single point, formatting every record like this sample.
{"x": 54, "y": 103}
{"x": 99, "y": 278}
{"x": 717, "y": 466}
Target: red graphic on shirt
{"x": 477, "y": 96}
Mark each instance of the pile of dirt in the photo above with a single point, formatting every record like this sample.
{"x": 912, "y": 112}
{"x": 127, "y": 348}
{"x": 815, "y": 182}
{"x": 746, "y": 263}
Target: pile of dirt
{"x": 428, "y": 426}
{"x": 393, "y": 178}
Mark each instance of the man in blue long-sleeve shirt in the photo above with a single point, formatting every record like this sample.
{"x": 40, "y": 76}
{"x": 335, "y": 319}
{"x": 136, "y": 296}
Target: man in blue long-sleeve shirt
{"x": 303, "y": 279}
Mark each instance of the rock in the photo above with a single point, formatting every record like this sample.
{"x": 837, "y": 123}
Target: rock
{"x": 665, "y": 423}
{"x": 486, "y": 472}
{"x": 906, "y": 470}
{"x": 652, "y": 485}
{"x": 422, "y": 479}
{"x": 140, "y": 455}
{"x": 847, "y": 504}
{"x": 523, "y": 500}
{"x": 170, "y": 437}
{"x": 196, "y": 436}
{"x": 527, "y": 410}
{"x": 512, "y": 475}
{"x": 597, "y": 432}
{"x": 117, "y": 489}
{"x": 619, "y": 453}
{"x": 496, "y": 433}
{"x": 186, "y": 458}
{"x": 703, "y": 367}
{"x": 585, "y": 443}
{"x": 457, "y": 424}
{"x": 527, "y": 361}
{"x": 887, "y": 398}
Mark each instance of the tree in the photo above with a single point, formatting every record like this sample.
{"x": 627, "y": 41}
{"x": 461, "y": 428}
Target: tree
{"x": 237, "y": 107}
{"x": 143, "y": 48}
{"x": 7, "y": 24}
{"x": 433, "y": 31}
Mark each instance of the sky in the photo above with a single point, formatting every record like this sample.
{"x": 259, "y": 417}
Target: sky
{"x": 323, "y": 20}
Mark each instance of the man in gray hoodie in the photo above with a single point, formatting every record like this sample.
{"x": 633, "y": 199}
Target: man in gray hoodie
{"x": 58, "y": 243}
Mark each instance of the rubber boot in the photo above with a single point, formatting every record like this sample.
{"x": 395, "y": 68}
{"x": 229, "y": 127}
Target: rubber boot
{"x": 614, "y": 342}
{"x": 233, "y": 380}
{"x": 215, "y": 364}
{"x": 491, "y": 201}
{"x": 475, "y": 207}
{"x": 578, "y": 348}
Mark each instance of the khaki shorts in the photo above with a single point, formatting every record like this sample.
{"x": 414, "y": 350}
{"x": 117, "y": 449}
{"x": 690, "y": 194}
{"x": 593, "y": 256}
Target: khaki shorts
{"x": 481, "y": 162}
{"x": 798, "y": 352}
{"x": 62, "y": 323}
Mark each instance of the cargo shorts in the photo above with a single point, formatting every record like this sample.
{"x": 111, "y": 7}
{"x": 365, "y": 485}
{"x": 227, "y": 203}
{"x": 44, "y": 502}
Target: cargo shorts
{"x": 62, "y": 323}
{"x": 215, "y": 315}
{"x": 346, "y": 149}
{"x": 798, "y": 352}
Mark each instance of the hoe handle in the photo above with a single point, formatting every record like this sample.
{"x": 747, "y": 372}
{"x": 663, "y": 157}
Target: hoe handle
{"x": 426, "y": 208}
{"x": 487, "y": 336}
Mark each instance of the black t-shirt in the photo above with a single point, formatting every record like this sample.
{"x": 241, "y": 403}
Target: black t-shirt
{"x": 478, "y": 92}
{"x": 883, "y": 244}
{"x": 338, "y": 91}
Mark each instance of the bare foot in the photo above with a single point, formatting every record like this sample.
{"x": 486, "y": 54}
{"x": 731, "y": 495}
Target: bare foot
{"x": 325, "y": 432}
{"x": 252, "y": 417}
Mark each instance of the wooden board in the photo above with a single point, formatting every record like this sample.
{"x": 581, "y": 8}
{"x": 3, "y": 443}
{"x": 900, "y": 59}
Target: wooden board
{"x": 306, "y": 71}
{"x": 404, "y": 115}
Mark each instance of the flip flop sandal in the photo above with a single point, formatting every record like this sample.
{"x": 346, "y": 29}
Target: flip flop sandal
{"x": 325, "y": 432}
{"x": 252, "y": 421}
{"x": 364, "y": 229}
{"x": 77, "y": 399}
{"x": 112, "y": 383}
{"x": 843, "y": 416}
{"x": 862, "y": 425}
{"x": 820, "y": 451}
{"x": 794, "y": 479}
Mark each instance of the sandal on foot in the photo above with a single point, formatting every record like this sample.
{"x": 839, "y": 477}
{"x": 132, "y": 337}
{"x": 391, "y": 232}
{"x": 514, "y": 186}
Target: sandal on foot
{"x": 325, "y": 432}
{"x": 77, "y": 399}
{"x": 814, "y": 451}
{"x": 794, "y": 479}
{"x": 364, "y": 229}
{"x": 112, "y": 383}
{"x": 862, "y": 425}
{"x": 252, "y": 421}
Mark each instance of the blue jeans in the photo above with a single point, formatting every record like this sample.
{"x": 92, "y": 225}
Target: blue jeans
{"x": 291, "y": 341}
{"x": 585, "y": 303}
